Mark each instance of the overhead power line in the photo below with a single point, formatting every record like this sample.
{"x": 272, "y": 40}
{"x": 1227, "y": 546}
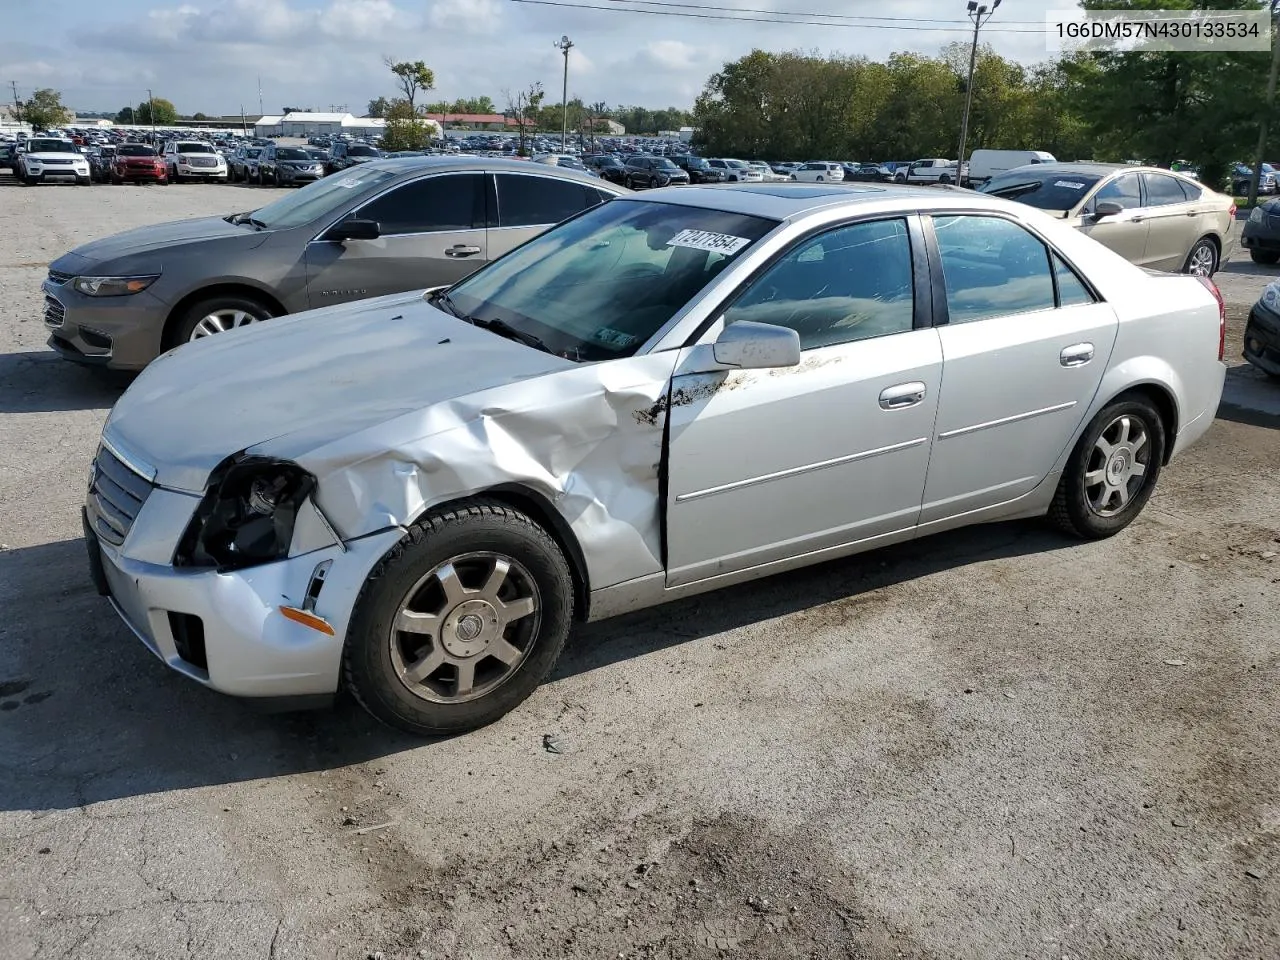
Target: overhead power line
{"x": 798, "y": 13}
{"x": 906, "y": 23}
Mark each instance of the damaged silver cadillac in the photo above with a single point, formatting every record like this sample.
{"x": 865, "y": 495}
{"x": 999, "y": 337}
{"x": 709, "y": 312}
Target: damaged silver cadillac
{"x": 415, "y": 496}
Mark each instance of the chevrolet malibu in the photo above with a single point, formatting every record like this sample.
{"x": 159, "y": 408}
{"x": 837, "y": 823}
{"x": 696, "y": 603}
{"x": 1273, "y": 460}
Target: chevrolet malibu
{"x": 414, "y": 497}
{"x": 377, "y": 229}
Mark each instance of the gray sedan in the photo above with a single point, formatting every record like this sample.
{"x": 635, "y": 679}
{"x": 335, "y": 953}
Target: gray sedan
{"x": 416, "y": 496}
{"x": 380, "y": 228}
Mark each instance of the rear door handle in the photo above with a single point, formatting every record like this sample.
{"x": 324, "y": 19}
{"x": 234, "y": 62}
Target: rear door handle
{"x": 902, "y": 396}
{"x": 1136, "y": 219}
{"x": 461, "y": 250}
{"x": 1076, "y": 355}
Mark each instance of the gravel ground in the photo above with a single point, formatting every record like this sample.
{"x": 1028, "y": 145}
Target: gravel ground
{"x": 994, "y": 743}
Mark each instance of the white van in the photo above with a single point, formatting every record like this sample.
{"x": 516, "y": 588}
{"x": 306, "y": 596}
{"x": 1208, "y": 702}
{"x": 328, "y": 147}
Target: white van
{"x": 985, "y": 164}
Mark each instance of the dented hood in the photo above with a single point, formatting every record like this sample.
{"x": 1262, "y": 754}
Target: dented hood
{"x": 312, "y": 378}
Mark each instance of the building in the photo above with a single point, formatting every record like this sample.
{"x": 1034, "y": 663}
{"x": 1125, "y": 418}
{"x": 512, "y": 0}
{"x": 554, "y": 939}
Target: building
{"x": 477, "y": 121}
{"x": 325, "y": 125}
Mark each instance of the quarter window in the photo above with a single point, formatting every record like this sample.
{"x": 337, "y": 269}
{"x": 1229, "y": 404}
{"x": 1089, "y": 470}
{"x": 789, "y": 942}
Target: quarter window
{"x": 527, "y": 201}
{"x": 852, "y": 283}
{"x": 992, "y": 268}
{"x": 1162, "y": 191}
{"x": 1071, "y": 290}
{"x": 447, "y": 202}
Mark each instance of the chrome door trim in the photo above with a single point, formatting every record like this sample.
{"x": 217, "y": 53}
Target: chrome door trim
{"x": 796, "y": 471}
{"x": 961, "y": 431}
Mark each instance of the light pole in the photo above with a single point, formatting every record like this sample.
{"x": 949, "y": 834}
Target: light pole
{"x": 151, "y": 106}
{"x": 565, "y": 45}
{"x": 979, "y": 15}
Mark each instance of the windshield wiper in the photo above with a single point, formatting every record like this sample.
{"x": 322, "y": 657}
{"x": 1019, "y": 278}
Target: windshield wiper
{"x": 239, "y": 218}
{"x": 1016, "y": 189}
{"x": 504, "y": 329}
{"x": 500, "y": 327}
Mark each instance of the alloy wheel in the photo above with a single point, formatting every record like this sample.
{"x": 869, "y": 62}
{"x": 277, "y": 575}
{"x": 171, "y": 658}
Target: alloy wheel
{"x": 465, "y": 628}
{"x": 1117, "y": 465}
{"x": 1202, "y": 261}
{"x": 220, "y": 321}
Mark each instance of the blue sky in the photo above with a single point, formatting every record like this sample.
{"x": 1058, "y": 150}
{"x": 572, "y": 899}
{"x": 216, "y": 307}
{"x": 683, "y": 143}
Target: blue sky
{"x": 207, "y": 56}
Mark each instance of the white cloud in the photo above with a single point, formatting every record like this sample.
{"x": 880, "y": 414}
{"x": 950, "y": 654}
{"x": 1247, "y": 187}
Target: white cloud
{"x": 475, "y": 17}
{"x": 672, "y": 54}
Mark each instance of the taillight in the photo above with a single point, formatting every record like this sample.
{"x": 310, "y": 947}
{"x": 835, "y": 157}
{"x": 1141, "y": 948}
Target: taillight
{"x": 1222, "y": 315}
{"x": 1232, "y": 211}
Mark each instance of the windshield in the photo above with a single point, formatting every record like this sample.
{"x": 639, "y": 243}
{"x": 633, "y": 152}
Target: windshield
{"x": 51, "y": 146}
{"x": 135, "y": 150}
{"x": 665, "y": 164}
{"x": 291, "y": 153}
{"x": 194, "y": 148}
{"x": 736, "y": 164}
{"x": 320, "y": 198}
{"x": 253, "y": 152}
{"x": 1042, "y": 189}
{"x": 316, "y": 154}
{"x": 602, "y": 284}
{"x": 360, "y": 150}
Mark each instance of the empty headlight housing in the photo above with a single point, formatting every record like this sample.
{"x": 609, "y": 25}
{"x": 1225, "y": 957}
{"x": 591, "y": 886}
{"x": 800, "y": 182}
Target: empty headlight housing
{"x": 247, "y": 515}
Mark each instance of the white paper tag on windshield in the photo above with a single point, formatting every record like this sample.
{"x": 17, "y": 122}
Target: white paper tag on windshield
{"x": 350, "y": 183}
{"x": 706, "y": 240}
{"x": 1069, "y": 184}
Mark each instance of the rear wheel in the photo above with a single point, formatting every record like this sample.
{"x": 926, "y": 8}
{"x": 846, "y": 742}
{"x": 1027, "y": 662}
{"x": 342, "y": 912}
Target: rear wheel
{"x": 1264, "y": 256}
{"x": 944, "y": 179}
{"x": 1112, "y": 471}
{"x": 460, "y": 621}
{"x": 217, "y": 314}
{"x": 1202, "y": 261}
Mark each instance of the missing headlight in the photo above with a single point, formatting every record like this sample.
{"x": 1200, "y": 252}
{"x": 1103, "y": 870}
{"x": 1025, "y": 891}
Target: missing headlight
{"x": 247, "y": 516}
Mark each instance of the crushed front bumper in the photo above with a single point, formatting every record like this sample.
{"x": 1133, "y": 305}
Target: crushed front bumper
{"x": 225, "y": 630}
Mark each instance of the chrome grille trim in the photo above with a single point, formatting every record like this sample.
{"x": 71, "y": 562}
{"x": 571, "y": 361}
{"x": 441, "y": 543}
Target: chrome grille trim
{"x": 116, "y": 495}
{"x": 55, "y": 314}
{"x": 58, "y": 278}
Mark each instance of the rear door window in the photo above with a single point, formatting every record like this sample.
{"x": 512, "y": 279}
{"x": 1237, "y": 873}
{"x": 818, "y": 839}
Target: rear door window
{"x": 1162, "y": 191}
{"x": 529, "y": 201}
{"x": 444, "y": 202}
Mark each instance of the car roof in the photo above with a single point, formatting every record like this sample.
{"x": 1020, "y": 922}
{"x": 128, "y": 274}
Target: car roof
{"x": 784, "y": 201}
{"x": 448, "y": 164}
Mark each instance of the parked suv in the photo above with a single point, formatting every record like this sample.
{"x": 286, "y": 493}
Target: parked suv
{"x": 288, "y": 166}
{"x": 121, "y": 301}
{"x": 820, "y": 171}
{"x": 699, "y": 170}
{"x": 607, "y": 167}
{"x": 343, "y": 155}
{"x": 736, "y": 171}
{"x": 934, "y": 170}
{"x": 44, "y": 159}
{"x": 137, "y": 161}
{"x": 645, "y": 171}
{"x": 190, "y": 159}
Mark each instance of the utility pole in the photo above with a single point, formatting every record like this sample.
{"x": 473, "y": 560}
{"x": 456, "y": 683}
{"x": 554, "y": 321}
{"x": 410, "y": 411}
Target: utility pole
{"x": 979, "y": 15}
{"x": 244, "y": 127}
{"x": 565, "y": 45}
{"x": 1264, "y": 124}
{"x": 151, "y": 106}
{"x": 17, "y": 106}
{"x": 261, "y": 112}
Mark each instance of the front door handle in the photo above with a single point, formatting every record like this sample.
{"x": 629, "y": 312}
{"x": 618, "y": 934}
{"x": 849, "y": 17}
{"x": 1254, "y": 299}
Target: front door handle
{"x": 1076, "y": 355}
{"x": 902, "y": 396}
{"x": 461, "y": 250}
{"x": 1137, "y": 219}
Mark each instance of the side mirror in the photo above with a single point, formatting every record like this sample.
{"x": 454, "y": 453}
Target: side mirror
{"x": 354, "y": 228}
{"x": 1107, "y": 208}
{"x": 748, "y": 345}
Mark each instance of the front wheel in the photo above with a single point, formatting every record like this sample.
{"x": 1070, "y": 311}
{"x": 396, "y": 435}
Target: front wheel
{"x": 944, "y": 179}
{"x": 216, "y": 315}
{"x": 1202, "y": 261}
{"x": 1264, "y": 256}
{"x": 460, "y": 621}
{"x": 1112, "y": 471}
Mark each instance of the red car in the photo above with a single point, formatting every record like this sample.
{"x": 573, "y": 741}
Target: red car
{"x": 136, "y": 161}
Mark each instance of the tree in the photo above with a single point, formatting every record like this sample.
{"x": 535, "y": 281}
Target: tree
{"x": 127, "y": 115}
{"x": 44, "y": 111}
{"x": 406, "y": 129}
{"x": 166, "y": 114}
{"x": 414, "y": 78}
{"x": 473, "y": 105}
{"x": 288, "y": 110}
{"x": 199, "y": 116}
{"x": 378, "y": 107}
{"x": 523, "y": 107}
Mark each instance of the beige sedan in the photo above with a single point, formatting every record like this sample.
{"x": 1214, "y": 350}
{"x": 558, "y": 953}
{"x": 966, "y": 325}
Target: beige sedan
{"x": 1152, "y": 217}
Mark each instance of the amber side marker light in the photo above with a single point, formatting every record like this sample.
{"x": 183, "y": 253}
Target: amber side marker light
{"x": 307, "y": 620}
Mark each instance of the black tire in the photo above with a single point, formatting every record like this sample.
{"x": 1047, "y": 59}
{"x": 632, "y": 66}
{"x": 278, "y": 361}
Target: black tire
{"x": 944, "y": 179}
{"x": 180, "y": 332}
{"x": 478, "y": 526}
{"x": 1264, "y": 256}
{"x": 1071, "y": 511}
{"x": 84, "y": 181}
{"x": 819, "y": 178}
{"x": 1204, "y": 247}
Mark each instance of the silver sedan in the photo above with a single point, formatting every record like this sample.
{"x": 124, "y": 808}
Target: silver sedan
{"x": 416, "y": 496}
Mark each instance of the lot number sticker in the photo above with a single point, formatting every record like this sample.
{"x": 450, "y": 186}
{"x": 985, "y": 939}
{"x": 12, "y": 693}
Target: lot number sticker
{"x": 706, "y": 240}
{"x": 1069, "y": 184}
